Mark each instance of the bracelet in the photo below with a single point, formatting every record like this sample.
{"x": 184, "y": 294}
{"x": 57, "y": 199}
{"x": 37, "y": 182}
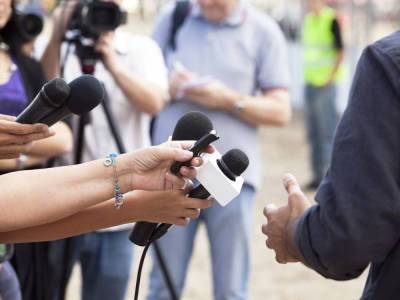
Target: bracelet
{"x": 118, "y": 196}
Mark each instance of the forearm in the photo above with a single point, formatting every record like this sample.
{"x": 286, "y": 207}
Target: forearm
{"x": 8, "y": 165}
{"x": 50, "y": 60}
{"x": 31, "y": 198}
{"x": 100, "y": 216}
{"x": 268, "y": 109}
{"x": 146, "y": 96}
{"x": 61, "y": 143}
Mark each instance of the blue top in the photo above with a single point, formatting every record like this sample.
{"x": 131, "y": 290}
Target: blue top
{"x": 357, "y": 220}
{"x": 13, "y": 97}
{"x": 246, "y": 52}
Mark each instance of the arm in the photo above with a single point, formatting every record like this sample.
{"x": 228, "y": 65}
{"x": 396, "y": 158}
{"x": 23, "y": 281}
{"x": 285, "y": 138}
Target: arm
{"x": 47, "y": 195}
{"x": 359, "y": 198}
{"x": 171, "y": 207}
{"x": 338, "y": 41}
{"x": 146, "y": 96}
{"x": 61, "y": 143}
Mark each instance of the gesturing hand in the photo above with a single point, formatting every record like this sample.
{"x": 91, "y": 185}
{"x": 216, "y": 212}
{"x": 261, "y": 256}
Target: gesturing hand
{"x": 282, "y": 220}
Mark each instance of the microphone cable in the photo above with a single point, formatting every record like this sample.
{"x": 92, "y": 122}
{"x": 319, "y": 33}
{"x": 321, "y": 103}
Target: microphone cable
{"x": 139, "y": 274}
{"x": 156, "y": 234}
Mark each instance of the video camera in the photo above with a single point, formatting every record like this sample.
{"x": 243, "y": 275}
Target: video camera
{"x": 90, "y": 19}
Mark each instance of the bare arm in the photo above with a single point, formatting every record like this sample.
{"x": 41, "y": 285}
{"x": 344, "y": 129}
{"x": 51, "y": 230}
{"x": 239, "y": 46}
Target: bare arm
{"x": 31, "y": 198}
{"x": 171, "y": 207}
{"x": 272, "y": 108}
{"x": 147, "y": 97}
{"x": 60, "y": 143}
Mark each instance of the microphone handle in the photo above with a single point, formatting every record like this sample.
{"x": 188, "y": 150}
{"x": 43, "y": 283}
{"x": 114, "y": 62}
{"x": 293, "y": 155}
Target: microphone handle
{"x": 36, "y": 110}
{"x": 141, "y": 233}
{"x": 199, "y": 192}
{"x": 55, "y": 116}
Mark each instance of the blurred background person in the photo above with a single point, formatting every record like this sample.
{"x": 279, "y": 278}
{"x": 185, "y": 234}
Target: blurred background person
{"x": 228, "y": 60}
{"x": 135, "y": 78}
{"x": 21, "y": 78}
{"x": 323, "y": 57}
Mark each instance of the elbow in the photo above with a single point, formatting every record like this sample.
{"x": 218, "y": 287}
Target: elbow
{"x": 157, "y": 104}
{"x": 284, "y": 118}
{"x": 281, "y": 118}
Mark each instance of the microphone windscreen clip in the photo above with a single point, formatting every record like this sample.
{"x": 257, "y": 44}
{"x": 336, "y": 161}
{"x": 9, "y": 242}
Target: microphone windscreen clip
{"x": 200, "y": 145}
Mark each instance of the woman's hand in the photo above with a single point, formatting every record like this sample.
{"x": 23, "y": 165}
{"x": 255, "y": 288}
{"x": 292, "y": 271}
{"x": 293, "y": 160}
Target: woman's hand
{"x": 150, "y": 166}
{"x": 170, "y": 207}
{"x": 16, "y": 138}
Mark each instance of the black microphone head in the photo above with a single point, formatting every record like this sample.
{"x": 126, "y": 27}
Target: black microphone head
{"x": 56, "y": 91}
{"x": 236, "y": 160}
{"x": 86, "y": 93}
{"x": 192, "y": 126}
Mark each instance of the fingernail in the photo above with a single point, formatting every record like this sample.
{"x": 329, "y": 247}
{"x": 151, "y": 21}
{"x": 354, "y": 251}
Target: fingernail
{"x": 187, "y": 153}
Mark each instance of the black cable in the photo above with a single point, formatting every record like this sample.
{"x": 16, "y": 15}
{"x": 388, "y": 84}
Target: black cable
{"x": 140, "y": 270}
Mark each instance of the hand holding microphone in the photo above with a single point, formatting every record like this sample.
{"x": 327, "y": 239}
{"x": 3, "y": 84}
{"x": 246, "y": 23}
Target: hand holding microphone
{"x": 16, "y": 138}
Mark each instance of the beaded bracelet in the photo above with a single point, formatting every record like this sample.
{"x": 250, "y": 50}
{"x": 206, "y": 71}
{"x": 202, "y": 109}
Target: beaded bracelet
{"x": 111, "y": 161}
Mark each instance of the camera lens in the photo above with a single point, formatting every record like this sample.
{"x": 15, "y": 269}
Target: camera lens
{"x": 32, "y": 25}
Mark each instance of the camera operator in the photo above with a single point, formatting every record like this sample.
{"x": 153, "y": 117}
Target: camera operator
{"x": 21, "y": 78}
{"x": 135, "y": 78}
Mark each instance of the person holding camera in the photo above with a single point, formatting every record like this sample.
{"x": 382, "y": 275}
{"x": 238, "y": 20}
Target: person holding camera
{"x": 135, "y": 79}
{"x": 21, "y": 77}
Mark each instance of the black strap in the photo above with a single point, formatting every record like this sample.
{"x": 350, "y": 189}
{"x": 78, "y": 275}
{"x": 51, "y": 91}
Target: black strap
{"x": 181, "y": 11}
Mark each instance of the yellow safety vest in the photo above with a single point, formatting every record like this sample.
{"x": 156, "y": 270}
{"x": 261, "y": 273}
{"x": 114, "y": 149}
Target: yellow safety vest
{"x": 319, "y": 49}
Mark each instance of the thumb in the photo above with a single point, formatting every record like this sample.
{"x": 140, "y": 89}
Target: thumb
{"x": 298, "y": 202}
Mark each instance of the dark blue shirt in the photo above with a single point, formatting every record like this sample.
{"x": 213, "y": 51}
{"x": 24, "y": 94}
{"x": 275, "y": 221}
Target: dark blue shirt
{"x": 357, "y": 220}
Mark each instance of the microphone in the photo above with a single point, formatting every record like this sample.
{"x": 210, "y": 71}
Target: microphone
{"x": 197, "y": 126}
{"x": 191, "y": 126}
{"x": 220, "y": 177}
{"x": 51, "y": 96}
{"x": 86, "y": 93}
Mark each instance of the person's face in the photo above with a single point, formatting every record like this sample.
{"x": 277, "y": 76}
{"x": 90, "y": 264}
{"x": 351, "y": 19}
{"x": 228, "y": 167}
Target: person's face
{"x": 216, "y": 10}
{"x": 315, "y": 6}
{"x": 5, "y": 12}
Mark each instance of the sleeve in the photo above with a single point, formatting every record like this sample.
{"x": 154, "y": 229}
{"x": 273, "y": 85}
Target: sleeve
{"x": 151, "y": 67}
{"x": 163, "y": 26}
{"x": 359, "y": 199}
{"x": 337, "y": 34}
{"x": 272, "y": 59}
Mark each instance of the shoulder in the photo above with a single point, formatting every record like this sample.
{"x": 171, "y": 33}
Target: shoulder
{"x": 166, "y": 12}
{"x": 136, "y": 42}
{"x": 386, "y": 54}
{"x": 263, "y": 23}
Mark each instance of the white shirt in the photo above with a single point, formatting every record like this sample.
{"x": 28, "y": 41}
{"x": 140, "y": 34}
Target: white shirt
{"x": 141, "y": 56}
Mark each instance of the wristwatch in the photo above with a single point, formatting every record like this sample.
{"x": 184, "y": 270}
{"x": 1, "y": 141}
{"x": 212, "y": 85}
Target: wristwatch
{"x": 21, "y": 162}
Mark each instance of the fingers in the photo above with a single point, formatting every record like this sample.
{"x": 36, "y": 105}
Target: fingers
{"x": 11, "y": 127}
{"x": 178, "y": 183}
{"x": 268, "y": 210}
{"x": 171, "y": 153}
{"x": 298, "y": 202}
{"x": 291, "y": 185}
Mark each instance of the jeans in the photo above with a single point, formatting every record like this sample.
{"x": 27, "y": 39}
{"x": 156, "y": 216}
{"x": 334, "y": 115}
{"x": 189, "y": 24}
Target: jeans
{"x": 228, "y": 229}
{"x": 321, "y": 119}
{"x": 106, "y": 259}
{"x": 9, "y": 285}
